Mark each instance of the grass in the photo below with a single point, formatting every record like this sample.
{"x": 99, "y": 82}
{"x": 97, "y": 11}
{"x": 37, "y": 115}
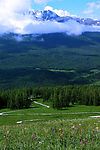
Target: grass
{"x": 44, "y": 128}
{"x": 40, "y": 113}
{"x": 52, "y": 135}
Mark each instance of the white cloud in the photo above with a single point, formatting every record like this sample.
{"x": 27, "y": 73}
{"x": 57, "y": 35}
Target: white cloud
{"x": 71, "y": 27}
{"x": 41, "y": 1}
{"x": 92, "y": 9}
{"x": 48, "y": 8}
{"x": 8, "y": 6}
{"x": 59, "y": 12}
{"x": 13, "y": 20}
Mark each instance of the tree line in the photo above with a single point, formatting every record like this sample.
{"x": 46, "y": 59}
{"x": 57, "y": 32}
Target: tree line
{"x": 15, "y": 99}
{"x": 69, "y": 95}
{"x": 59, "y": 97}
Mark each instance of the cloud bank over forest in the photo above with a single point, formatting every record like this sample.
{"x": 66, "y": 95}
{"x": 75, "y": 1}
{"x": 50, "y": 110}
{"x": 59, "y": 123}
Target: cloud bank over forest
{"x": 14, "y": 20}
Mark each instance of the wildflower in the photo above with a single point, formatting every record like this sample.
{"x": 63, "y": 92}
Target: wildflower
{"x": 73, "y": 127}
{"x": 97, "y": 128}
{"x": 83, "y": 141}
{"x": 7, "y": 132}
{"x": 61, "y": 133}
{"x": 41, "y": 142}
{"x": 34, "y": 137}
{"x": 60, "y": 130}
{"x": 53, "y": 130}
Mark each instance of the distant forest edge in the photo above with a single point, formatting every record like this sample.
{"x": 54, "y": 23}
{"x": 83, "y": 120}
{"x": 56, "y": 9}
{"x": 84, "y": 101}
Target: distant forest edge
{"x": 58, "y": 97}
{"x": 28, "y": 77}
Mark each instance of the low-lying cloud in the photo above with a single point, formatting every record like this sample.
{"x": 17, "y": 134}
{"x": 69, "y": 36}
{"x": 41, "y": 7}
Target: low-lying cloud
{"x": 14, "y": 20}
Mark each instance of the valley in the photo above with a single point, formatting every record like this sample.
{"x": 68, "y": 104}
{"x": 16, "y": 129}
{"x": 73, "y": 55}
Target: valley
{"x": 48, "y": 59}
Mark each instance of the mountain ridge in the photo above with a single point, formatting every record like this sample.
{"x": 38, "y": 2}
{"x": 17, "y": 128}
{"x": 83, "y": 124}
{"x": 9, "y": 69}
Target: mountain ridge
{"x": 48, "y": 15}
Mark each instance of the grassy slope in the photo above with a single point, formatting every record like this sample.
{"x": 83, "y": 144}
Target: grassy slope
{"x": 39, "y": 113}
{"x": 52, "y": 135}
{"x": 50, "y": 129}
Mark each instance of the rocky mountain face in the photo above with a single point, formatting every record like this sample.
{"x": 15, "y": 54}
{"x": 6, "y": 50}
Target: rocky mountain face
{"x": 48, "y": 15}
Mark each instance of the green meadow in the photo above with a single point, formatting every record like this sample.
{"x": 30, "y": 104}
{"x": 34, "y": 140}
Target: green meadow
{"x": 45, "y": 128}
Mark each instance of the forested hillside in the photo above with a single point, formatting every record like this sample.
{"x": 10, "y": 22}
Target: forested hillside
{"x": 49, "y": 59}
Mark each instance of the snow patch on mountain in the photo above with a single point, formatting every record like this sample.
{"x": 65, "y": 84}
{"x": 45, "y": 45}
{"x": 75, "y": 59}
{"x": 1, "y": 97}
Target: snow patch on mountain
{"x": 59, "y": 12}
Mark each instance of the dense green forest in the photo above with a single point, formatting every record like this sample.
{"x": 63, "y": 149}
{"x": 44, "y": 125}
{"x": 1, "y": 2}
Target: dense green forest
{"x": 58, "y": 51}
{"x": 60, "y": 97}
{"x": 49, "y": 59}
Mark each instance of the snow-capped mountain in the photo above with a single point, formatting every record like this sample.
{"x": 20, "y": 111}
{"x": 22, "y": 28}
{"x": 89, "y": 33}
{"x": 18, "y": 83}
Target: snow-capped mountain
{"x": 48, "y": 15}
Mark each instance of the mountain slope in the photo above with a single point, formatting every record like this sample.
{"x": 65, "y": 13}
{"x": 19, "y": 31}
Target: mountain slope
{"x": 48, "y": 15}
{"x": 51, "y": 51}
{"x": 49, "y": 59}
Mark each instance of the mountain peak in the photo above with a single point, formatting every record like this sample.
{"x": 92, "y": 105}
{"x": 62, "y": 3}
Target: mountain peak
{"x": 49, "y": 15}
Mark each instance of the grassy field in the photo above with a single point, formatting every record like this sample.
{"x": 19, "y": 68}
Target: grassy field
{"x": 40, "y": 113}
{"x": 52, "y": 135}
{"x": 44, "y": 128}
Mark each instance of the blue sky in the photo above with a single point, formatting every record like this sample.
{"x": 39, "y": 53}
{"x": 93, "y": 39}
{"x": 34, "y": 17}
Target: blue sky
{"x": 84, "y": 8}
